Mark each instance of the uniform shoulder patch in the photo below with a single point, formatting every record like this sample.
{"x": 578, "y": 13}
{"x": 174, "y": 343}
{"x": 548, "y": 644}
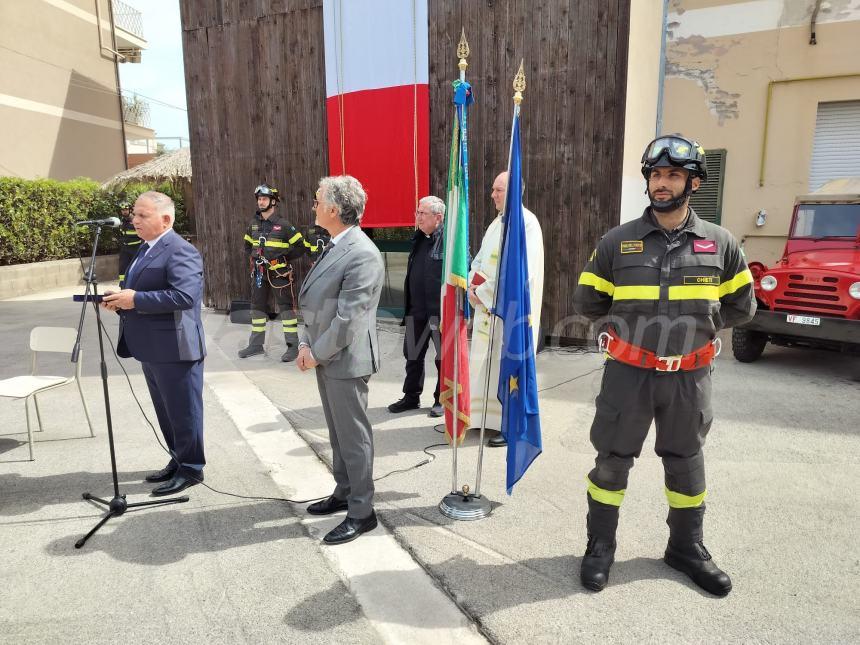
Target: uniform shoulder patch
{"x": 632, "y": 246}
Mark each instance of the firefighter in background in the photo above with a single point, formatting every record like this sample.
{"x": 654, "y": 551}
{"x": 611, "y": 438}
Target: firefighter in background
{"x": 659, "y": 289}
{"x": 270, "y": 243}
{"x": 128, "y": 239}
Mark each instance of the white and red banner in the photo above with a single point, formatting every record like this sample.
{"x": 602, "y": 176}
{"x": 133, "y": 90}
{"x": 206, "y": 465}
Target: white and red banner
{"x": 378, "y": 104}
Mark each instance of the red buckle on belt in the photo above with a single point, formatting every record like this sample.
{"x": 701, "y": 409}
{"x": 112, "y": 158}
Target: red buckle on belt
{"x": 630, "y": 354}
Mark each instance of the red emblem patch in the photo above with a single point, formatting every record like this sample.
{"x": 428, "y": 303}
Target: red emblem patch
{"x": 704, "y": 246}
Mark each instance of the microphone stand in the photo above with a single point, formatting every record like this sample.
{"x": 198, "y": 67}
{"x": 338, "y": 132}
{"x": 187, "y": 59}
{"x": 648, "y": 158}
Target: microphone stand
{"x": 118, "y": 504}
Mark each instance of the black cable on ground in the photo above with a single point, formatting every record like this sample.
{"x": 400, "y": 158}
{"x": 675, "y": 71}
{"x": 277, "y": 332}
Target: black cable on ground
{"x": 227, "y": 493}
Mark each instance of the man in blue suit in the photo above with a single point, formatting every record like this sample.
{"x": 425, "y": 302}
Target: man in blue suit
{"x": 160, "y": 325}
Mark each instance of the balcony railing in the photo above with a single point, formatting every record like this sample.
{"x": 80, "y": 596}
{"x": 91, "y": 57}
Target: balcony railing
{"x": 135, "y": 111}
{"x": 128, "y": 18}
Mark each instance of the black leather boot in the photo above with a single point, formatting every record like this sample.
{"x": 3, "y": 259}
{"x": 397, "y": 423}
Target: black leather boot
{"x": 598, "y": 558}
{"x": 694, "y": 560}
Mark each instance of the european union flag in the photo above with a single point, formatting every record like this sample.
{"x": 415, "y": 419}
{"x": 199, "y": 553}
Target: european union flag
{"x": 517, "y": 380}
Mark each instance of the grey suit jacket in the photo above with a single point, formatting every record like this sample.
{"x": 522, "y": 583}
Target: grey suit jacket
{"x": 338, "y": 300}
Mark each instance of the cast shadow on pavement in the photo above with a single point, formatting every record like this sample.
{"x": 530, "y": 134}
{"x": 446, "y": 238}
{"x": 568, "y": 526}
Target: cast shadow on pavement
{"x": 23, "y": 495}
{"x": 159, "y": 536}
{"x": 503, "y": 586}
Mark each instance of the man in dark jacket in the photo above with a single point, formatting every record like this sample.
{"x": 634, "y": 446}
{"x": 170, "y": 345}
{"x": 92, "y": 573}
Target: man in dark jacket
{"x": 271, "y": 242}
{"x": 422, "y": 292}
{"x": 659, "y": 289}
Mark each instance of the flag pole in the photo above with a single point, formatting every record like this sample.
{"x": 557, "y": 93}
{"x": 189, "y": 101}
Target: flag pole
{"x": 461, "y": 504}
{"x": 519, "y": 86}
{"x": 463, "y": 54}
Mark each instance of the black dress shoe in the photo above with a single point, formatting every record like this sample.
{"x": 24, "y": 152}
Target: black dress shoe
{"x": 599, "y": 556}
{"x": 181, "y": 480}
{"x": 163, "y": 475}
{"x": 497, "y": 442}
{"x": 404, "y": 404}
{"x": 328, "y": 506}
{"x": 696, "y": 562}
{"x": 350, "y": 529}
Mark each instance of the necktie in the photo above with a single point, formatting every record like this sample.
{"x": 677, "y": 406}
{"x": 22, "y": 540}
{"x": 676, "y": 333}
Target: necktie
{"x": 325, "y": 251}
{"x": 141, "y": 252}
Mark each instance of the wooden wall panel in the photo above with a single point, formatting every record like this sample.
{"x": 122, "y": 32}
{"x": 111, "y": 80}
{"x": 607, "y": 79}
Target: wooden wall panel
{"x": 255, "y": 77}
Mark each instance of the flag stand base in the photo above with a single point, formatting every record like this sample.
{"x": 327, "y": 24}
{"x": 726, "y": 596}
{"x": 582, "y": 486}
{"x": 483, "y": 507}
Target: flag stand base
{"x": 465, "y": 506}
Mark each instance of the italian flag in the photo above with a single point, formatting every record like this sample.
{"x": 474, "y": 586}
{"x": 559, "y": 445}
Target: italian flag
{"x": 377, "y": 102}
{"x": 455, "y": 272}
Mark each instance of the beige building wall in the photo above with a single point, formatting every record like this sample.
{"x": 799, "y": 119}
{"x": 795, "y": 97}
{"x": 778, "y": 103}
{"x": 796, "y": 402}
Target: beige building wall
{"x": 721, "y": 55}
{"x": 640, "y": 114}
{"x": 59, "y": 104}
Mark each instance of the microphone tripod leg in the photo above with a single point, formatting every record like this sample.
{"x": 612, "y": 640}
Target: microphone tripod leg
{"x": 117, "y": 506}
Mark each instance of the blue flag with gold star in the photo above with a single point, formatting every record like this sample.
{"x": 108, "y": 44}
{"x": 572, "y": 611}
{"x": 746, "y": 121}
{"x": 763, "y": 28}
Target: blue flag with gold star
{"x": 517, "y": 379}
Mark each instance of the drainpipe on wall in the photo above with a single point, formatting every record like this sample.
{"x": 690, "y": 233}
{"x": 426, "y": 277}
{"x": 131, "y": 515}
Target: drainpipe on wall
{"x": 662, "y": 75}
{"x": 815, "y": 9}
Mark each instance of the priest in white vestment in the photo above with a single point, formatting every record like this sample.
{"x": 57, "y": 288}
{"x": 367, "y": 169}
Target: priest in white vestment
{"x": 482, "y": 293}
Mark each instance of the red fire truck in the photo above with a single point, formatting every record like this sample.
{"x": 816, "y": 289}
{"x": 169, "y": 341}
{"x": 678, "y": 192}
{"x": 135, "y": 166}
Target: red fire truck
{"x": 811, "y": 296}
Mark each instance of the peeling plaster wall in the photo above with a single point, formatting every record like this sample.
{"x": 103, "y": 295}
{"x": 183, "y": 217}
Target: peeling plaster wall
{"x": 720, "y": 57}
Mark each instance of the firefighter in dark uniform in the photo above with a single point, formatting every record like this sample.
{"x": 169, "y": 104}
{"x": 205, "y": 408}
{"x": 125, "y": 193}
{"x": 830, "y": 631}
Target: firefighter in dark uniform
{"x": 270, "y": 243}
{"x": 659, "y": 289}
{"x": 128, "y": 239}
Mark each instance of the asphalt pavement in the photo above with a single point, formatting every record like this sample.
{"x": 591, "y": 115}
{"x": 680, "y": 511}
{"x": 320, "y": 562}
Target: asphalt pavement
{"x": 782, "y": 518}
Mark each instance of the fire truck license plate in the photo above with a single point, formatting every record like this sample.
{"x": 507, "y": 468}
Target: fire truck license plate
{"x": 803, "y": 320}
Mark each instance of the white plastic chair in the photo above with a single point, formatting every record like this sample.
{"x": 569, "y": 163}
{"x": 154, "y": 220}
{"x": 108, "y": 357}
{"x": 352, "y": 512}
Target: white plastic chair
{"x": 45, "y": 339}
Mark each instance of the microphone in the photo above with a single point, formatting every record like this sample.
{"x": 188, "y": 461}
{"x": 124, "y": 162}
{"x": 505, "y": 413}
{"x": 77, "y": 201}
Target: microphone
{"x": 112, "y": 222}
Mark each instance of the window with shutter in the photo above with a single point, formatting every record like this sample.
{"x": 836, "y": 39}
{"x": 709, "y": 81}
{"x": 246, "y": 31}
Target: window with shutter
{"x": 708, "y": 200}
{"x": 836, "y": 148}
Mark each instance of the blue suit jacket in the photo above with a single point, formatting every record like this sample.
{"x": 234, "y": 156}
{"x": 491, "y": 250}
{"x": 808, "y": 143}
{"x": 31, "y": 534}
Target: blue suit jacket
{"x": 165, "y": 324}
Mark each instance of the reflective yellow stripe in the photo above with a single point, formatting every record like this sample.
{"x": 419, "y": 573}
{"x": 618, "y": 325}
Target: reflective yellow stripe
{"x": 258, "y": 321}
{"x": 291, "y": 321}
{"x": 278, "y": 244}
{"x": 277, "y": 266}
{"x": 295, "y": 238}
{"x": 121, "y": 277}
{"x": 740, "y": 280}
{"x": 679, "y": 500}
{"x": 637, "y": 292}
{"x": 610, "y": 497}
{"x": 254, "y": 328}
{"x": 291, "y": 330}
{"x": 592, "y": 280}
{"x": 252, "y": 241}
{"x": 694, "y": 292}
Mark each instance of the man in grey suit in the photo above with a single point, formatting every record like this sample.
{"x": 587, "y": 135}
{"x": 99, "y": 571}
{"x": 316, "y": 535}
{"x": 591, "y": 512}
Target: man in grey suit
{"x": 338, "y": 300}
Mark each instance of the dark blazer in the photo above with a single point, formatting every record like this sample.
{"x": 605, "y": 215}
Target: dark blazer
{"x": 432, "y": 271}
{"x": 165, "y": 324}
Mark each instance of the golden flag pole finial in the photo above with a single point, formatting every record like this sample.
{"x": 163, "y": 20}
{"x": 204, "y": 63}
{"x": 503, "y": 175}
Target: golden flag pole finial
{"x": 463, "y": 51}
{"x": 519, "y": 84}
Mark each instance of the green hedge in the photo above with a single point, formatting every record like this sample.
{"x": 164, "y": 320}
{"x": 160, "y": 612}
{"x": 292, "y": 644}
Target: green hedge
{"x": 37, "y": 217}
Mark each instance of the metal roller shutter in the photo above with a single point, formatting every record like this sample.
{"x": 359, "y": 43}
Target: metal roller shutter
{"x": 708, "y": 200}
{"x": 836, "y": 147}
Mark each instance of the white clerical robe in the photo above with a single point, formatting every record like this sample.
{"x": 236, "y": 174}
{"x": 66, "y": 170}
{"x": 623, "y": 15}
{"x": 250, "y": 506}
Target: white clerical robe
{"x": 485, "y": 264}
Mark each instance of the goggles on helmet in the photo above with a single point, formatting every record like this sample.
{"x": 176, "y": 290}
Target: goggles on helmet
{"x": 679, "y": 151}
{"x": 266, "y": 191}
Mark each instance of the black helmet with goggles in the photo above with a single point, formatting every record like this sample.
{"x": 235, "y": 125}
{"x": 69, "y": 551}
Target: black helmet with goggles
{"x": 675, "y": 151}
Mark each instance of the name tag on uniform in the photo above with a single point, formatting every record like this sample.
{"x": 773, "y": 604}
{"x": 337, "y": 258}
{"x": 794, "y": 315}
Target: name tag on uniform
{"x": 704, "y": 246}
{"x": 632, "y": 246}
{"x": 702, "y": 279}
